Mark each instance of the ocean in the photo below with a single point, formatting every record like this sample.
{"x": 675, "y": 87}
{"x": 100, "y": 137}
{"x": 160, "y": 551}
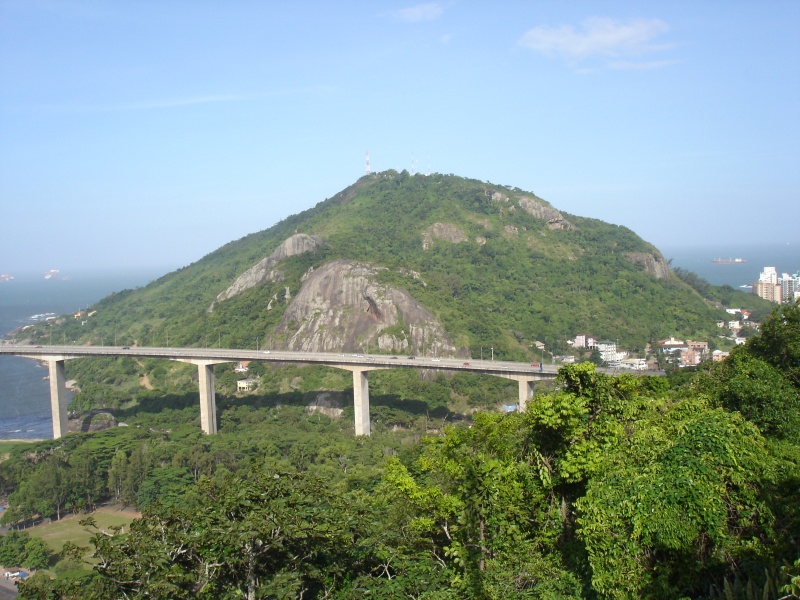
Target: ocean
{"x": 24, "y": 389}
{"x": 25, "y": 393}
{"x": 784, "y": 257}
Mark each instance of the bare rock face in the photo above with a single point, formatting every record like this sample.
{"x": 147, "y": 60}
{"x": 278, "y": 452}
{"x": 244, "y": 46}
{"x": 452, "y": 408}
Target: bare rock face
{"x": 555, "y": 220}
{"x": 654, "y": 265}
{"x": 327, "y": 403}
{"x": 442, "y": 231}
{"x": 264, "y": 270}
{"x": 95, "y": 420}
{"x": 498, "y": 197}
{"x": 340, "y": 307}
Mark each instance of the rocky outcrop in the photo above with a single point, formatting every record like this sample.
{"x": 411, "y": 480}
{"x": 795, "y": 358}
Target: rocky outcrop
{"x": 265, "y": 271}
{"x": 341, "y": 307}
{"x": 329, "y": 404}
{"x": 498, "y": 197}
{"x": 555, "y": 220}
{"x": 652, "y": 264}
{"x": 92, "y": 421}
{"x": 442, "y": 231}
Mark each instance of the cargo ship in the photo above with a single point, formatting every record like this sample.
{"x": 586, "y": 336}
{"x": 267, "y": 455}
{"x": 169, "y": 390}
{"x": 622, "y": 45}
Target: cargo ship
{"x": 729, "y": 261}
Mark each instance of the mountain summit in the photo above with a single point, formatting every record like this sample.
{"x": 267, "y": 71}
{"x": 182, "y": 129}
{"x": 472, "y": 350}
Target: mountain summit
{"x": 434, "y": 264}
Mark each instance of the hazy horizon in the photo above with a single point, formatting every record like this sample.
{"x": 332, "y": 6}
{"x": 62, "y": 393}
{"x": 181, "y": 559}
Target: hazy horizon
{"x": 786, "y": 257}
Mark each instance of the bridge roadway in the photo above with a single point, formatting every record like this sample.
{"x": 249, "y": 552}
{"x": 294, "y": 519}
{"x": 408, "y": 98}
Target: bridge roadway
{"x": 205, "y": 358}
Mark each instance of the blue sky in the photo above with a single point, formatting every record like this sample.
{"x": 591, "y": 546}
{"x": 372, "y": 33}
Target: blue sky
{"x": 149, "y": 133}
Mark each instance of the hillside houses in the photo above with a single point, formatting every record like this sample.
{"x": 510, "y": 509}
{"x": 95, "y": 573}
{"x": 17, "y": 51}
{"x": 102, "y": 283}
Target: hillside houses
{"x": 684, "y": 353}
{"x": 688, "y": 353}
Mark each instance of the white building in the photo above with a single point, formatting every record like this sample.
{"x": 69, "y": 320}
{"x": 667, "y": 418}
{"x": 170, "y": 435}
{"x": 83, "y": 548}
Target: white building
{"x": 769, "y": 275}
{"x": 244, "y": 385}
{"x": 790, "y": 287}
{"x": 608, "y": 351}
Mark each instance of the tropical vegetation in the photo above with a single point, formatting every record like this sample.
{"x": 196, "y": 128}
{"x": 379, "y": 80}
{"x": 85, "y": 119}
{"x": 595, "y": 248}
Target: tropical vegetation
{"x": 606, "y": 487}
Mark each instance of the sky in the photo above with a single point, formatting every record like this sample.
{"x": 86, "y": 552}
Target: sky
{"x": 147, "y": 134}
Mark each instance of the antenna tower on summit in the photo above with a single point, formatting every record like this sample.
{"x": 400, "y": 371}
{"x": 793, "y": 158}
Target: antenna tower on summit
{"x": 367, "y": 162}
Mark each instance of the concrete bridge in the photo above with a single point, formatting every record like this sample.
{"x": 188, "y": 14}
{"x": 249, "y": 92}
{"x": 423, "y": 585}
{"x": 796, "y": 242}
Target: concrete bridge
{"x": 205, "y": 358}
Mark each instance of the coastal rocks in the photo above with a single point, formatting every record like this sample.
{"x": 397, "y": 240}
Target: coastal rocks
{"x": 341, "y": 307}
{"x": 264, "y": 270}
{"x": 443, "y": 231}
{"x": 654, "y": 265}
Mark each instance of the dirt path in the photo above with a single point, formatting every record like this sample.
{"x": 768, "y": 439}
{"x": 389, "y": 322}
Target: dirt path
{"x": 144, "y": 380}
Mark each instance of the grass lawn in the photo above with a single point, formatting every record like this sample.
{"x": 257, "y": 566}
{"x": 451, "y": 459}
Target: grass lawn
{"x": 7, "y": 445}
{"x": 69, "y": 529}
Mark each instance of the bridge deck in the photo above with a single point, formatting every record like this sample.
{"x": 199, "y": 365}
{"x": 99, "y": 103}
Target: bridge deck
{"x": 360, "y": 365}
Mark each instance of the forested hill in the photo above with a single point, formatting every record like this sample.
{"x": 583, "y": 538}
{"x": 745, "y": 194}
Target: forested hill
{"x": 464, "y": 263}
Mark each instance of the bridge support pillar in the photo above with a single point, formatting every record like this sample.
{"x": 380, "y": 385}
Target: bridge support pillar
{"x": 58, "y": 398}
{"x": 525, "y": 393}
{"x": 361, "y": 401}
{"x": 208, "y": 401}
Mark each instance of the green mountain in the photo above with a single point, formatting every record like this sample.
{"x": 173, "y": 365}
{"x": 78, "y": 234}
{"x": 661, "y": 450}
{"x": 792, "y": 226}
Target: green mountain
{"x": 424, "y": 264}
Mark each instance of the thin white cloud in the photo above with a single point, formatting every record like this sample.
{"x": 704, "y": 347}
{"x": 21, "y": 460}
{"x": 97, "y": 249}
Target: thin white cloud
{"x": 317, "y": 90}
{"x": 640, "y": 66}
{"x": 152, "y": 105}
{"x": 429, "y": 11}
{"x": 600, "y": 37}
{"x": 177, "y": 102}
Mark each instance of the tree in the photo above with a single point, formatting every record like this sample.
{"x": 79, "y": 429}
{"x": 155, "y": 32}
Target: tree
{"x": 117, "y": 472}
{"x": 779, "y": 342}
{"x": 756, "y": 389}
{"x": 85, "y": 480}
{"x": 483, "y": 505}
{"x": 678, "y": 503}
{"x": 37, "y": 554}
{"x": 268, "y": 535}
{"x": 19, "y": 548}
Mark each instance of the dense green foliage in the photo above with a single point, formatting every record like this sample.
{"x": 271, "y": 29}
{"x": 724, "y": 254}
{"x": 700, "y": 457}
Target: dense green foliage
{"x": 18, "y": 548}
{"x": 607, "y": 487}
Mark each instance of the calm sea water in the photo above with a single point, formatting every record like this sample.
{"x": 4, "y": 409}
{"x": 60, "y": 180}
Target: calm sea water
{"x": 784, "y": 257}
{"x": 24, "y": 391}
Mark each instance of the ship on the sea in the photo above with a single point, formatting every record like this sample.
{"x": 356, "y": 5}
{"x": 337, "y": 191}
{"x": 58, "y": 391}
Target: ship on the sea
{"x": 729, "y": 261}
{"x": 6, "y": 277}
{"x": 51, "y": 273}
